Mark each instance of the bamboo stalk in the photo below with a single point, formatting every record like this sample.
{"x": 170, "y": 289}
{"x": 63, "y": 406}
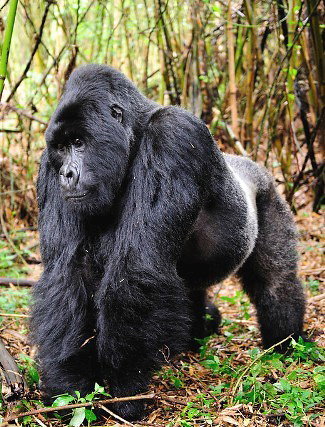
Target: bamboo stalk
{"x": 313, "y": 91}
{"x": 286, "y": 160}
{"x": 292, "y": 60}
{"x": 250, "y": 56}
{"x": 6, "y": 43}
{"x": 318, "y": 48}
{"x": 319, "y": 61}
{"x": 240, "y": 43}
{"x": 231, "y": 69}
{"x": 168, "y": 56}
{"x": 164, "y": 82}
{"x": 126, "y": 12}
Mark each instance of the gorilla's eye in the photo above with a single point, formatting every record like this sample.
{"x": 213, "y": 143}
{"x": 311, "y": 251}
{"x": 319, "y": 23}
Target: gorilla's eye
{"x": 117, "y": 113}
{"x": 60, "y": 147}
{"x": 77, "y": 142}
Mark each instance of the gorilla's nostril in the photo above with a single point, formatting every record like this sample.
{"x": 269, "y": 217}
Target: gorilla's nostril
{"x": 68, "y": 177}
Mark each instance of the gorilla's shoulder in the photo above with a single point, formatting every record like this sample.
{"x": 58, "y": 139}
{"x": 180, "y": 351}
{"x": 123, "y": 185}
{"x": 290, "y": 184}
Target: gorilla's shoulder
{"x": 174, "y": 126}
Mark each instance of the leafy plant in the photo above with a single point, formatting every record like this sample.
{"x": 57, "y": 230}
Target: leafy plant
{"x": 274, "y": 380}
{"x": 29, "y": 366}
{"x": 313, "y": 286}
{"x": 79, "y": 415}
{"x": 8, "y": 265}
{"x": 176, "y": 378}
{"x": 13, "y": 299}
{"x": 240, "y": 298}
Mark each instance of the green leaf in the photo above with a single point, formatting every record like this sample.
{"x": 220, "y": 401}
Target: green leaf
{"x": 90, "y": 397}
{"x": 178, "y": 383}
{"x": 27, "y": 420}
{"x": 62, "y": 400}
{"x": 320, "y": 380}
{"x": 79, "y": 415}
{"x": 99, "y": 388}
{"x": 193, "y": 412}
{"x": 90, "y": 416}
{"x": 33, "y": 374}
{"x": 292, "y": 376}
{"x": 277, "y": 364}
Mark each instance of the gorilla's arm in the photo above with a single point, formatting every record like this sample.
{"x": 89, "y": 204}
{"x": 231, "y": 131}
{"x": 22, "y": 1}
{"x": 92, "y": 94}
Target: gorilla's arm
{"x": 59, "y": 321}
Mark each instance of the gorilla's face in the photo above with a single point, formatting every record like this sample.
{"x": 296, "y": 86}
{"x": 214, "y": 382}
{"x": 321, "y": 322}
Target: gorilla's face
{"x": 88, "y": 144}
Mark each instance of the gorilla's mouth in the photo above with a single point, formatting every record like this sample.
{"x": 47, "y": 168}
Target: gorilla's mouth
{"x": 75, "y": 197}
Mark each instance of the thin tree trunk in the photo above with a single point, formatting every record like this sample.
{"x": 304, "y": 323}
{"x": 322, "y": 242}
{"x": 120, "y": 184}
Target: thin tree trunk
{"x": 231, "y": 68}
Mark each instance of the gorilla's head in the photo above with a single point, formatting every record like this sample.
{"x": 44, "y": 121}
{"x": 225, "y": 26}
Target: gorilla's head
{"x": 91, "y": 135}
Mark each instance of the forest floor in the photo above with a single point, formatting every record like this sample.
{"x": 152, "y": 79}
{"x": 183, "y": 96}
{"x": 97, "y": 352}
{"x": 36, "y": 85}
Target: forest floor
{"x": 230, "y": 382}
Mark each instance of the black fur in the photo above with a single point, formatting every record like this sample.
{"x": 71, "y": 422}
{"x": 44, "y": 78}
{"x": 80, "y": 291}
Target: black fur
{"x": 162, "y": 215}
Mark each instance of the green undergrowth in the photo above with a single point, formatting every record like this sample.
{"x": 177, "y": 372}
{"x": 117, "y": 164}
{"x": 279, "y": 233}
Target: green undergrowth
{"x": 290, "y": 387}
{"x": 8, "y": 262}
{"x": 14, "y": 301}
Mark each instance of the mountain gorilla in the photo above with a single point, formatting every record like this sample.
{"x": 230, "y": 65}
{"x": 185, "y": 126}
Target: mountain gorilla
{"x": 139, "y": 213}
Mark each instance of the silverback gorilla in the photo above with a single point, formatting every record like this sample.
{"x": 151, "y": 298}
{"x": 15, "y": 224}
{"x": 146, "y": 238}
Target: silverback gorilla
{"x": 139, "y": 213}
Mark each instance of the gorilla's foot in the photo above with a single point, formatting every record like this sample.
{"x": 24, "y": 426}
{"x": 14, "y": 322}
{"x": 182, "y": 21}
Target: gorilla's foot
{"x": 206, "y": 324}
{"x": 212, "y": 319}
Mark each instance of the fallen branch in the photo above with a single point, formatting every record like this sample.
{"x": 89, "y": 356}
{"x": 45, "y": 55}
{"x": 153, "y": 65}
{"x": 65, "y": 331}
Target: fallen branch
{"x": 79, "y": 405}
{"x": 6, "y": 281}
{"x": 16, "y": 384}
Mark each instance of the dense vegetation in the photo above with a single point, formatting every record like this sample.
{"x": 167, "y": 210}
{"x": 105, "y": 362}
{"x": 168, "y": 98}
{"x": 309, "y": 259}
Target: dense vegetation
{"x": 254, "y": 71}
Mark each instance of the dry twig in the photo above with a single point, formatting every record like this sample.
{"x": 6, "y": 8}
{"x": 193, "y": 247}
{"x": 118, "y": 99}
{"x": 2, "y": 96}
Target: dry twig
{"x": 6, "y": 281}
{"x": 79, "y": 405}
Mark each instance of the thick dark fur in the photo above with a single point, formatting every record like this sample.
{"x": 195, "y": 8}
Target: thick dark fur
{"x": 165, "y": 215}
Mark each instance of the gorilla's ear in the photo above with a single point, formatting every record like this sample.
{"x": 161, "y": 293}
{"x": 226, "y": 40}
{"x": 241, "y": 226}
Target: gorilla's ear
{"x": 117, "y": 113}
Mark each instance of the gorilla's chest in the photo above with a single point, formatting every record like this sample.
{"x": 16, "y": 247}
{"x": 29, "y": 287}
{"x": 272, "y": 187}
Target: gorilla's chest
{"x": 90, "y": 265}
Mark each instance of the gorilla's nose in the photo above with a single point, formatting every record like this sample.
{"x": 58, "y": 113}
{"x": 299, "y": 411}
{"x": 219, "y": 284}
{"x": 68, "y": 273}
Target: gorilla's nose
{"x": 68, "y": 177}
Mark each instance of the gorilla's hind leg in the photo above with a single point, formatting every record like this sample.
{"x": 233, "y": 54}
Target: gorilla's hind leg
{"x": 269, "y": 275}
{"x": 206, "y": 317}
